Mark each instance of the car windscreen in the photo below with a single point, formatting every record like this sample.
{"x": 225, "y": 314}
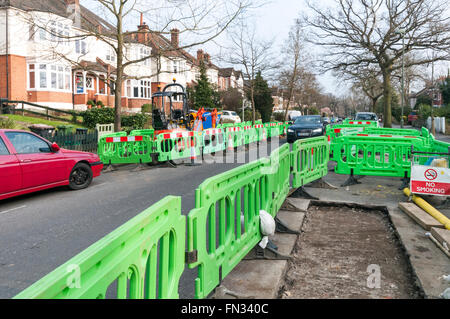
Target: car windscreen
{"x": 307, "y": 120}
{"x": 366, "y": 117}
{"x": 234, "y": 113}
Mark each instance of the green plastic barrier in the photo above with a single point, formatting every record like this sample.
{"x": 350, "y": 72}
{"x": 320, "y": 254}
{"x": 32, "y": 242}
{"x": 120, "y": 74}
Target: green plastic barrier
{"x": 361, "y": 123}
{"x": 150, "y": 133}
{"x": 213, "y": 141}
{"x": 234, "y": 137}
{"x": 392, "y": 131}
{"x": 374, "y": 155}
{"x": 118, "y": 148}
{"x": 279, "y": 173}
{"x": 215, "y": 230}
{"x": 129, "y": 256}
{"x": 178, "y": 145}
{"x": 310, "y": 159}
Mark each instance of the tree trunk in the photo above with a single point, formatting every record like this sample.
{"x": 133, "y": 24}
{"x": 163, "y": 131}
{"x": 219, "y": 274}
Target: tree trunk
{"x": 387, "y": 92}
{"x": 252, "y": 95}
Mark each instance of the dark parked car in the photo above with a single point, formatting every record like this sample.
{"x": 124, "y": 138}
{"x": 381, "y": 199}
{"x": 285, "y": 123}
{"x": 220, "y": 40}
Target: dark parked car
{"x": 366, "y": 116}
{"x": 305, "y": 127}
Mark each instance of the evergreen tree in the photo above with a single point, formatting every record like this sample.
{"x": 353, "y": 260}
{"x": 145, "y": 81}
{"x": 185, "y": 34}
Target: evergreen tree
{"x": 445, "y": 89}
{"x": 203, "y": 94}
{"x": 263, "y": 98}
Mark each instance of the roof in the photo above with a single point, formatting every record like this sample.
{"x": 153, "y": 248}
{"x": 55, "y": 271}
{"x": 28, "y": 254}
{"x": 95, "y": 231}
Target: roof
{"x": 89, "y": 21}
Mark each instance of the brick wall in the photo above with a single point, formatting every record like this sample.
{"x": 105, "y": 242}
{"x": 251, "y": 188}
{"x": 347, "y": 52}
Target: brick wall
{"x": 17, "y": 68}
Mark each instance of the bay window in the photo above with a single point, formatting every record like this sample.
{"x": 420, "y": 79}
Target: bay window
{"x": 50, "y": 77}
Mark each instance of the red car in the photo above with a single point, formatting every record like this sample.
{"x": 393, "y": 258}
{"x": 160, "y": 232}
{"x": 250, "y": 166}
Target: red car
{"x": 29, "y": 163}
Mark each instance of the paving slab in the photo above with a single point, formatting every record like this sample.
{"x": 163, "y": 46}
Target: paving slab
{"x": 262, "y": 279}
{"x": 420, "y": 216}
{"x": 296, "y": 204}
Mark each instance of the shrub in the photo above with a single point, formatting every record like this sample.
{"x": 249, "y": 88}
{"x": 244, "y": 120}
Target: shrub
{"x": 278, "y": 116}
{"x": 100, "y": 104}
{"x": 97, "y": 116}
{"x": 136, "y": 121}
{"x": 7, "y": 123}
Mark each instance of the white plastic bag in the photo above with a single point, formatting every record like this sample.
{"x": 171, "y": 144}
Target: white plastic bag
{"x": 267, "y": 223}
{"x": 267, "y": 226}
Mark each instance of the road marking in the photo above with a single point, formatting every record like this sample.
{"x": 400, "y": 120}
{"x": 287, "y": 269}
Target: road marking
{"x": 12, "y": 209}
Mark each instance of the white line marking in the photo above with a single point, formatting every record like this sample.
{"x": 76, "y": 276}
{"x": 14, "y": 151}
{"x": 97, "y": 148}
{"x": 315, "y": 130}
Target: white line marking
{"x": 12, "y": 209}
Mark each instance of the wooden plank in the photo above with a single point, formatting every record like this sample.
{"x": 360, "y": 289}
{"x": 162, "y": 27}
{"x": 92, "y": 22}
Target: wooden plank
{"x": 425, "y": 220}
{"x": 441, "y": 235}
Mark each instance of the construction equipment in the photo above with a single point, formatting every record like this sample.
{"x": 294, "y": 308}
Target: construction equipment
{"x": 175, "y": 118}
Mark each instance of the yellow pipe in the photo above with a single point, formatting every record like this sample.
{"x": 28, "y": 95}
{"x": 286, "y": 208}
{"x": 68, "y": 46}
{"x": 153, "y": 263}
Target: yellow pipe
{"x": 429, "y": 209}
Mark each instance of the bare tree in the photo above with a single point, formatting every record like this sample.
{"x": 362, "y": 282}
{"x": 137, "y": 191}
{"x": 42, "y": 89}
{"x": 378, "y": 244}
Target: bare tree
{"x": 294, "y": 62}
{"x": 252, "y": 53}
{"x": 202, "y": 20}
{"x": 370, "y": 33}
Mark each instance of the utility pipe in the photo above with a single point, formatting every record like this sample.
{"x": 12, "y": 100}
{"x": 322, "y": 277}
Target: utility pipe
{"x": 429, "y": 209}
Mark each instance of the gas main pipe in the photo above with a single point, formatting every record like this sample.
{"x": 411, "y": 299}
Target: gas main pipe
{"x": 429, "y": 209}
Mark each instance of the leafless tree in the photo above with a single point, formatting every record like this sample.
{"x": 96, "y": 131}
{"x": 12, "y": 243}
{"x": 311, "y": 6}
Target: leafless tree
{"x": 294, "y": 62}
{"x": 252, "y": 54}
{"x": 202, "y": 20}
{"x": 369, "y": 33}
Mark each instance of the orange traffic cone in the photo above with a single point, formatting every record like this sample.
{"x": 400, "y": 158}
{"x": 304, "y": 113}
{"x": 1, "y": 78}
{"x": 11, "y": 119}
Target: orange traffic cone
{"x": 230, "y": 143}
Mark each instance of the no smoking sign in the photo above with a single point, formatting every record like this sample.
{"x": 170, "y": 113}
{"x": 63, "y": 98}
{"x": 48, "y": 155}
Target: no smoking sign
{"x": 431, "y": 174}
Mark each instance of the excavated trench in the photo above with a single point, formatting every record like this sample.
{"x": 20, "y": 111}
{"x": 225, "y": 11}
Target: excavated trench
{"x": 348, "y": 253}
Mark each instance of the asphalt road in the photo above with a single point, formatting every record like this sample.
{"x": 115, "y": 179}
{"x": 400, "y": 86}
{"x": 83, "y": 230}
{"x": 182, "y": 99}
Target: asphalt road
{"x": 41, "y": 231}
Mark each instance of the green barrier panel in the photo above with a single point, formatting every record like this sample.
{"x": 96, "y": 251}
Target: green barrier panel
{"x": 440, "y": 146}
{"x": 213, "y": 141}
{"x": 224, "y": 226}
{"x": 125, "y": 150}
{"x": 391, "y": 131}
{"x": 261, "y": 133}
{"x": 146, "y": 253}
{"x": 234, "y": 137}
{"x": 279, "y": 173}
{"x": 150, "y": 133}
{"x": 310, "y": 159}
{"x": 376, "y": 155}
{"x": 250, "y": 134}
{"x": 363, "y": 123}
{"x": 178, "y": 145}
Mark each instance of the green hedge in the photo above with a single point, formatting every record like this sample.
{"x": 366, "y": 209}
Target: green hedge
{"x": 106, "y": 116}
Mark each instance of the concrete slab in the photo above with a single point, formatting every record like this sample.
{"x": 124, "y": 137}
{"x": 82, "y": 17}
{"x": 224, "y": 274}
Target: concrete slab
{"x": 442, "y": 236}
{"x": 262, "y": 279}
{"x": 425, "y": 220}
{"x": 296, "y": 204}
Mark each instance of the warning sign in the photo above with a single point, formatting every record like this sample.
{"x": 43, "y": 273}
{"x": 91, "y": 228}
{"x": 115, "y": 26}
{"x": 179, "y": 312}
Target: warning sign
{"x": 430, "y": 181}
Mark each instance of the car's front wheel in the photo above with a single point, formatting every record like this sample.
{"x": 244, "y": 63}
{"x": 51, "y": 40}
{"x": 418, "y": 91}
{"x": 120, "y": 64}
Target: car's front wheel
{"x": 80, "y": 177}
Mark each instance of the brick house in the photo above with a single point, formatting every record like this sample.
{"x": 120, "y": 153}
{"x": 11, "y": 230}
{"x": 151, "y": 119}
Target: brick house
{"x": 37, "y": 65}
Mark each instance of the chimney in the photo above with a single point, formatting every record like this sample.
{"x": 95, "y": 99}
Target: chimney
{"x": 175, "y": 37}
{"x": 143, "y": 31}
{"x": 73, "y": 11}
{"x": 200, "y": 55}
{"x": 207, "y": 58}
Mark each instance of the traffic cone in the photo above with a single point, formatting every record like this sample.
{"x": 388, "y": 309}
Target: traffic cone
{"x": 230, "y": 143}
{"x": 264, "y": 135}
{"x": 193, "y": 156}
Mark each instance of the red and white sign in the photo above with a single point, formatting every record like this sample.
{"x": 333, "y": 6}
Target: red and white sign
{"x": 430, "y": 180}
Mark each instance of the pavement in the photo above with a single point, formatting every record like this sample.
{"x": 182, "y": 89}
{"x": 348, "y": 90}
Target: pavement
{"x": 428, "y": 263}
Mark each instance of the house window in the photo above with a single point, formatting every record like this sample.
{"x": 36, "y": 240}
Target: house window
{"x": 110, "y": 55}
{"x": 42, "y": 34}
{"x": 142, "y": 89}
{"x": 89, "y": 83}
{"x": 143, "y": 53}
{"x": 43, "y": 76}
{"x": 31, "y": 76}
{"x": 80, "y": 46}
{"x": 49, "y": 76}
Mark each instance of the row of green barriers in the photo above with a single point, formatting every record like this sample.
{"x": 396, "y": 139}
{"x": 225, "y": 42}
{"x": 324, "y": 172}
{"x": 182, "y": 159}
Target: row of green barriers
{"x": 379, "y": 151}
{"x": 144, "y": 146}
{"x": 146, "y": 257}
